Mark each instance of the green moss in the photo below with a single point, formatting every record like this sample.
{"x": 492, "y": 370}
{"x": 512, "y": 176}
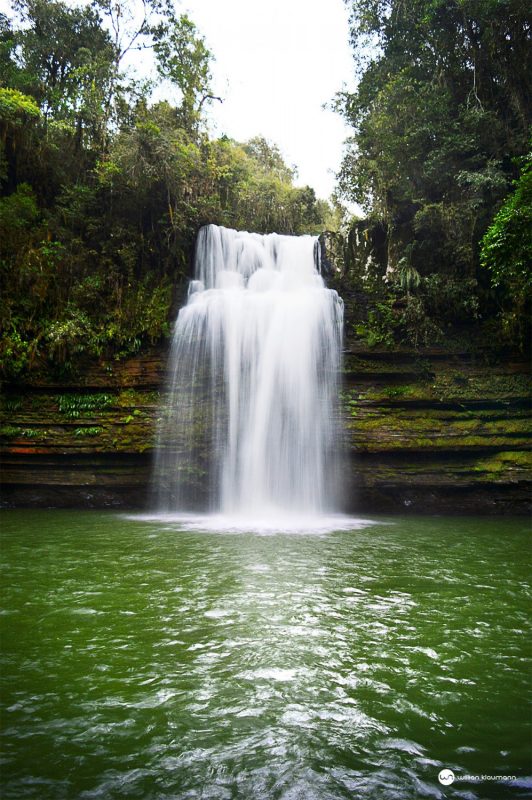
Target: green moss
{"x": 131, "y": 398}
{"x": 381, "y": 428}
{"x": 481, "y": 386}
{"x": 397, "y": 391}
{"x": 454, "y": 387}
{"x": 501, "y": 462}
{"x": 376, "y": 367}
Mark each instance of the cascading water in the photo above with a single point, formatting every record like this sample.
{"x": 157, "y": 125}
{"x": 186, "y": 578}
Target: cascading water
{"x": 250, "y": 413}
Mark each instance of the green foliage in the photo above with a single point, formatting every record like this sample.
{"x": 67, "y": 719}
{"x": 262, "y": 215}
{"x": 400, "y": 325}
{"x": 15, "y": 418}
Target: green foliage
{"x": 16, "y": 107}
{"x": 439, "y": 117}
{"x": 94, "y": 431}
{"x": 74, "y": 406}
{"x": 507, "y": 255}
{"x": 507, "y": 244}
{"x": 382, "y": 325}
{"x": 254, "y": 190}
{"x": 419, "y": 329}
{"x": 408, "y": 276}
{"x": 19, "y": 213}
{"x": 451, "y": 299}
{"x": 68, "y": 338}
{"x": 102, "y": 192}
{"x": 389, "y": 325}
{"x": 64, "y": 59}
{"x": 394, "y": 392}
{"x": 14, "y": 432}
{"x": 9, "y": 431}
{"x": 32, "y": 433}
{"x": 183, "y": 57}
{"x": 9, "y": 405}
{"x": 15, "y": 354}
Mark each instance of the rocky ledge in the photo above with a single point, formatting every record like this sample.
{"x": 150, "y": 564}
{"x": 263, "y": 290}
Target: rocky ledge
{"x": 424, "y": 431}
{"x": 432, "y": 431}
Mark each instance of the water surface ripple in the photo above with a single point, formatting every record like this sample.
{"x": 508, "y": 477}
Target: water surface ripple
{"x": 143, "y": 661}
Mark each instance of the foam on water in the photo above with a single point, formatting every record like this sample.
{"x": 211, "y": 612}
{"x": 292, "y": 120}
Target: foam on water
{"x": 300, "y": 523}
{"x": 248, "y": 428}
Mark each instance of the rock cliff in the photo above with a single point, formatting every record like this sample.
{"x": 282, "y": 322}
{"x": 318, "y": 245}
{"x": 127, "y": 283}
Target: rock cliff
{"x": 424, "y": 431}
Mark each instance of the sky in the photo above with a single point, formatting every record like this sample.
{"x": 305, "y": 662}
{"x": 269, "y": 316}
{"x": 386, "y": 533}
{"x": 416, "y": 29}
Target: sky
{"x": 277, "y": 63}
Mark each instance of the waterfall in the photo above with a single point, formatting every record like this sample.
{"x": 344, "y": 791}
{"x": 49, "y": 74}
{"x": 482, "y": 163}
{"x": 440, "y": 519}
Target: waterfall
{"x": 249, "y": 420}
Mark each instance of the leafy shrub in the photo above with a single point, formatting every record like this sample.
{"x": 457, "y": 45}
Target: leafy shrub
{"x": 15, "y": 354}
{"x": 15, "y": 106}
{"x": 77, "y": 405}
{"x": 69, "y": 337}
{"x": 507, "y": 254}
{"x": 451, "y": 299}
{"x": 382, "y": 325}
{"x": 418, "y": 328}
{"x": 507, "y": 245}
{"x": 94, "y": 431}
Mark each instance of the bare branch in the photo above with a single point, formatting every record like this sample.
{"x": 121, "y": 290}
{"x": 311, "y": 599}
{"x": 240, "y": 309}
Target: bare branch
{"x": 208, "y": 97}
{"x": 141, "y": 29}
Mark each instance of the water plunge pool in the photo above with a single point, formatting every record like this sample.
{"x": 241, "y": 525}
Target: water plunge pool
{"x": 144, "y": 660}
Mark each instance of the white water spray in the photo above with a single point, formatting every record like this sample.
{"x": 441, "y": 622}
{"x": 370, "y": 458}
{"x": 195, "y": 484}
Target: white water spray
{"x": 249, "y": 424}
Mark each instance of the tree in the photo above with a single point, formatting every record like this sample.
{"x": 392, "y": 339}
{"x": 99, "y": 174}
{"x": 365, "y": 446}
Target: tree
{"x": 268, "y": 158}
{"x": 102, "y": 192}
{"x": 507, "y": 254}
{"x": 63, "y": 58}
{"x": 441, "y": 110}
{"x": 440, "y": 115}
{"x": 184, "y": 59}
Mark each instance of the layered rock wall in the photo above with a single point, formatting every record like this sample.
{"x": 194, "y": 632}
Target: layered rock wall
{"x": 423, "y": 431}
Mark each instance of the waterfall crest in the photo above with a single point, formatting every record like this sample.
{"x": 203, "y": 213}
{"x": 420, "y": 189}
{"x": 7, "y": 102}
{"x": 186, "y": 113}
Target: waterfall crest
{"x": 249, "y": 421}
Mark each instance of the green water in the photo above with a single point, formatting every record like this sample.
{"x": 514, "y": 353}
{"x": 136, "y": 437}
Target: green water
{"x": 143, "y": 661}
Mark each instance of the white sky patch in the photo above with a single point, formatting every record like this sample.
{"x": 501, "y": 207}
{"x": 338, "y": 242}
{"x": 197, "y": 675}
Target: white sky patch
{"x": 276, "y": 65}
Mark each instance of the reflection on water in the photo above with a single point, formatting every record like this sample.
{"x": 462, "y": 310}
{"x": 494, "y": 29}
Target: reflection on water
{"x": 140, "y": 660}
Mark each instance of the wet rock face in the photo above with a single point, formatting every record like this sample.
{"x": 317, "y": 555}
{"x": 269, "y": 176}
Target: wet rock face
{"x": 85, "y": 443}
{"x": 423, "y": 431}
{"x": 351, "y": 256}
{"x": 436, "y": 432}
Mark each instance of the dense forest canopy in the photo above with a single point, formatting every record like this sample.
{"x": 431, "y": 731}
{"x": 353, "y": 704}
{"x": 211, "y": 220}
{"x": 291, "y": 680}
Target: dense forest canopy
{"x": 441, "y": 138}
{"x": 102, "y": 190}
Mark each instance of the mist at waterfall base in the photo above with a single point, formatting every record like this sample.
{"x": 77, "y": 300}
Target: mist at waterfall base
{"x": 248, "y": 429}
